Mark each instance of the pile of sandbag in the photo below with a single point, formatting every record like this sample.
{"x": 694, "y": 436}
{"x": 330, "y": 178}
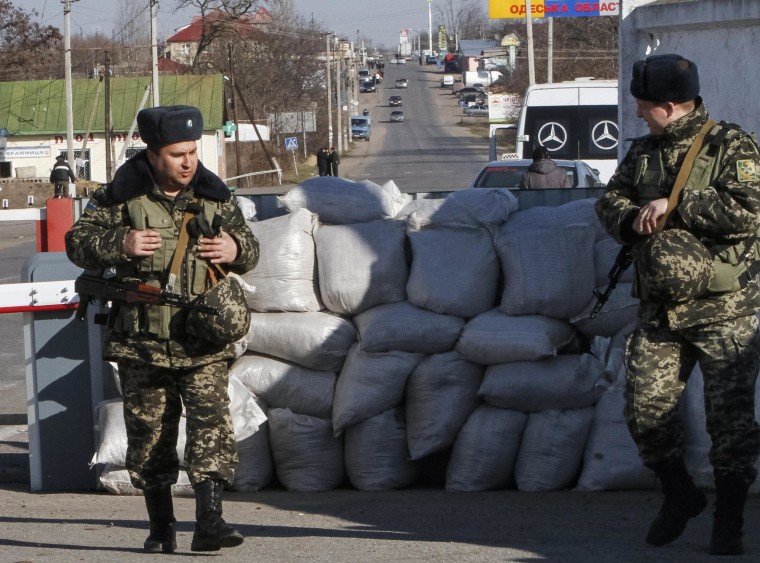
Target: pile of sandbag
{"x": 387, "y": 332}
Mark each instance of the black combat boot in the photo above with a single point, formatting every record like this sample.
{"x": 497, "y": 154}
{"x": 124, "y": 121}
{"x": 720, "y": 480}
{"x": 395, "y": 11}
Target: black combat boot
{"x": 683, "y": 500}
{"x": 162, "y": 536}
{"x": 728, "y": 520}
{"x": 211, "y": 531}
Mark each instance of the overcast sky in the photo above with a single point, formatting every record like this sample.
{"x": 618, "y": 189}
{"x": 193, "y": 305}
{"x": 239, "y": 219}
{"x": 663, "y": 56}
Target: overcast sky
{"x": 382, "y": 20}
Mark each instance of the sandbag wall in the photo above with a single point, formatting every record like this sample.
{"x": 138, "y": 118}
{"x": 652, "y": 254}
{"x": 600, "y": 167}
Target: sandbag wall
{"x": 388, "y": 332}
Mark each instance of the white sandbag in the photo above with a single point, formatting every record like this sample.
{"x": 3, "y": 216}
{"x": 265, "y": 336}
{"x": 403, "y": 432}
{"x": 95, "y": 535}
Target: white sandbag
{"x": 250, "y": 424}
{"x": 338, "y": 201}
{"x": 496, "y": 338}
{"x": 402, "y": 326}
{"x": 307, "y": 457}
{"x": 473, "y": 208}
{"x": 577, "y": 212}
{"x": 115, "y": 479}
{"x": 370, "y": 384}
{"x": 284, "y": 385}
{"x": 441, "y": 394}
{"x": 247, "y": 207}
{"x": 483, "y": 456}
{"x": 606, "y": 250}
{"x": 314, "y": 340}
{"x": 551, "y": 451}
{"x": 361, "y": 265}
{"x": 620, "y": 310}
{"x": 284, "y": 275}
{"x": 454, "y": 270}
{"x": 564, "y": 382}
{"x": 376, "y": 454}
{"x": 611, "y": 460}
{"x": 547, "y": 271}
{"x": 112, "y": 432}
{"x": 399, "y": 198}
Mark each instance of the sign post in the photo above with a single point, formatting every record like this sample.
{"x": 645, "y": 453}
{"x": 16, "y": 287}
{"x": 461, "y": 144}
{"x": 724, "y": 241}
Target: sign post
{"x": 291, "y": 144}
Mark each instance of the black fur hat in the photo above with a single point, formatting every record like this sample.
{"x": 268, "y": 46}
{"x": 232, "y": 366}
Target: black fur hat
{"x": 665, "y": 78}
{"x": 166, "y": 125}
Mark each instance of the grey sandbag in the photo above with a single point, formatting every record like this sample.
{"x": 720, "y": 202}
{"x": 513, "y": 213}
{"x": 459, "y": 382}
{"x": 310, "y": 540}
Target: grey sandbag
{"x": 577, "y": 212}
{"x": 483, "y": 456}
{"x": 570, "y": 381}
{"x": 475, "y": 208}
{"x": 454, "y": 270}
{"x": 441, "y": 394}
{"x": 370, "y": 384}
{"x": 496, "y": 338}
{"x": 314, "y": 340}
{"x": 361, "y": 265}
{"x": 547, "y": 271}
{"x": 620, "y": 310}
{"x": 284, "y": 385}
{"x": 249, "y": 421}
{"x": 611, "y": 460}
{"x": 376, "y": 454}
{"x": 307, "y": 457}
{"x": 284, "y": 277}
{"x": 402, "y": 326}
{"x": 551, "y": 452}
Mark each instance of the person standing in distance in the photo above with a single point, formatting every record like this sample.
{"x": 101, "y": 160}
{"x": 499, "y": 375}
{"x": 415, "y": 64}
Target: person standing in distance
{"x": 133, "y": 226}
{"x": 334, "y": 162}
{"x": 544, "y": 172}
{"x": 323, "y": 162}
{"x": 60, "y": 176}
{"x": 696, "y": 279}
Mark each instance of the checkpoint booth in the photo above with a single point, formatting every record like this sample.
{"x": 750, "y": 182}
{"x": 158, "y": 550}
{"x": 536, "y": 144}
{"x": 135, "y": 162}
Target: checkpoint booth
{"x": 65, "y": 376}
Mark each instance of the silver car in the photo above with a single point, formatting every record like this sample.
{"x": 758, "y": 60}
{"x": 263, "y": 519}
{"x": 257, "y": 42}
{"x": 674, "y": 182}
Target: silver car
{"x": 508, "y": 173}
{"x": 476, "y": 110}
{"x": 397, "y": 115}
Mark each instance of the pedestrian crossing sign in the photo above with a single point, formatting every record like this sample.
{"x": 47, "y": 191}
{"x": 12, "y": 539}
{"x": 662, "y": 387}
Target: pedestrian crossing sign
{"x": 291, "y": 143}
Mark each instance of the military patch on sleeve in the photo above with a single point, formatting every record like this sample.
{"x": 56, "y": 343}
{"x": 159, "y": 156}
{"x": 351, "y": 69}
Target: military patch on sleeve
{"x": 746, "y": 170}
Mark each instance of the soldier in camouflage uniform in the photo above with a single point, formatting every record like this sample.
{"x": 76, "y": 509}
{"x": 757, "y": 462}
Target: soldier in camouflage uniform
{"x": 699, "y": 294}
{"x": 133, "y": 226}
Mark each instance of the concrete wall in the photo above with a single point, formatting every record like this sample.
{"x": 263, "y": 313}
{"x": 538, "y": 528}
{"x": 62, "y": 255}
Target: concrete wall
{"x": 720, "y": 36}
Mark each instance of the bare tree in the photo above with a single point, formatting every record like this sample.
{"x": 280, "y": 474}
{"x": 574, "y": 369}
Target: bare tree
{"x": 464, "y": 19}
{"x": 132, "y": 37}
{"x": 27, "y": 49}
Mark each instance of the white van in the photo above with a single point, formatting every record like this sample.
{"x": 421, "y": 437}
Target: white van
{"x": 575, "y": 120}
{"x": 447, "y": 80}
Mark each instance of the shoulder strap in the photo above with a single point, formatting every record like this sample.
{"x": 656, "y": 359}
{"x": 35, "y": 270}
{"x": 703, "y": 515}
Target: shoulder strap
{"x": 179, "y": 253}
{"x": 683, "y": 173}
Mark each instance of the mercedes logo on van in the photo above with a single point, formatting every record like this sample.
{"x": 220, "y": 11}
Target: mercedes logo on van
{"x": 552, "y": 136}
{"x": 605, "y": 135}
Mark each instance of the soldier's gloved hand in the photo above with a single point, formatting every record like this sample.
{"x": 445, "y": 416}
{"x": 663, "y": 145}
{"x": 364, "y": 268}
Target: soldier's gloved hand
{"x": 141, "y": 242}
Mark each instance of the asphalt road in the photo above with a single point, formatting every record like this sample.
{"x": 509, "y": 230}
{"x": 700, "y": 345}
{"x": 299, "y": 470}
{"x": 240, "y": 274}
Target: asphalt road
{"x": 430, "y": 149}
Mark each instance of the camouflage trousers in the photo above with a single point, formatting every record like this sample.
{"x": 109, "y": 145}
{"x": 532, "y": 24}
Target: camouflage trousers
{"x": 153, "y": 399}
{"x": 659, "y": 362}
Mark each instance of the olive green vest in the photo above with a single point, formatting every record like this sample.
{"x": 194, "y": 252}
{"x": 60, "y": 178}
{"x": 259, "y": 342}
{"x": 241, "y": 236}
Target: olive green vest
{"x": 161, "y": 321}
{"x": 730, "y": 262}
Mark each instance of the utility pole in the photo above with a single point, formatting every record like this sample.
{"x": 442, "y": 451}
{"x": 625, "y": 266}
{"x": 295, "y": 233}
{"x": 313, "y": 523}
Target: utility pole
{"x": 430, "y": 25}
{"x": 69, "y": 93}
{"x": 531, "y": 62}
{"x": 550, "y": 49}
{"x": 329, "y": 91}
{"x": 154, "y": 49}
{"x": 107, "y": 118}
{"x": 338, "y": 87}
{"x": 234, "y": 117}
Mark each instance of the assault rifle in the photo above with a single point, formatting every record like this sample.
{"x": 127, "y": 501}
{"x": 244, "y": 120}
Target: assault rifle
{"x": 91, "y": 287}
{"x": 623, "y": 260}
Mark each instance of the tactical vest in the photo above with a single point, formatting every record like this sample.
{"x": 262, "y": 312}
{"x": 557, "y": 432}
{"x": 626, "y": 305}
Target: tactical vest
{"x": 161, "y": 321}
{"x": 731, "y": 262}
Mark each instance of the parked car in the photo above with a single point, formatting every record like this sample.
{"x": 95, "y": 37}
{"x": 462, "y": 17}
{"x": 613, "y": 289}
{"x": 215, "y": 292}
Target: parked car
{"x": 471, "y": 100}
{"x": 508, "y": 173}
{"x": 467, "y": 91}
{"x": 394, "y": 101}
{"x": 397, "y": 115}
{"x": 367, "y": 86}
{"x": 447, "y": 80}
{"x": 402, "y": 83}
{"x": 431, "y": 59}
{"x": 476, "y": 110}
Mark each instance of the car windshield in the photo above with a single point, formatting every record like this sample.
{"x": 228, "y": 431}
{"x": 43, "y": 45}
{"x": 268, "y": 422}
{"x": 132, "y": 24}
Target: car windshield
{"x": 509, "y": 176}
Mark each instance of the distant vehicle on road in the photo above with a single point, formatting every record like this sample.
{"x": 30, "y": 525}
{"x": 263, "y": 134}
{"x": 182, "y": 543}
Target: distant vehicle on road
{"x": 397, "y": 115}
{"x": 508, "y": 173}
{"x": 447, "y": 80}
{"x": 468, "y": 91}
{"x": 394, "y": 101}
{"x": 367, "y": 87}
{"x": 471, "y": 100}
{"x": 402, "y": 83}
{"x": 476, "y": 110}
{"x": 361, "y": 127}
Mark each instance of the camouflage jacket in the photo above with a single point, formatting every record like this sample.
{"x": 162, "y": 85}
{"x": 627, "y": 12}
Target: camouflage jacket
{"x": 727, "y": 211}
{"x": 96, "y": 242}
